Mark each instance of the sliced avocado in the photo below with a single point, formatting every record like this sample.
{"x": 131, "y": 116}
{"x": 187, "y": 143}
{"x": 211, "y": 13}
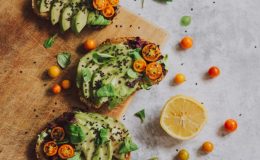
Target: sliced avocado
{"x": 96, "y": 121}
{"x": 83, "y": 63}
{"x": 45, "y": 5}
{"x": 76, "y": 3}
{"x": 79, "y": 20}
{"x": 103, "y": 151}
{"x": 115, "y": 128}
{"x": 56, "y": 8}
{"x": 88, "y": 147}
{"x": 66, "y": 18}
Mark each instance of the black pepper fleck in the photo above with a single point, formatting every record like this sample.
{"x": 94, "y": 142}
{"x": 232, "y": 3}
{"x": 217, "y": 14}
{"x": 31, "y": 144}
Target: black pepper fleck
{"x": 21, "y": 71}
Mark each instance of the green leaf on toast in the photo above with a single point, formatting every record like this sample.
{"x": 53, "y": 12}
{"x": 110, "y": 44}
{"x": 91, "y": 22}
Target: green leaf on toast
{"x": 106, "y": 91}
{"x": 128, "y": 146}
{"x": 75, "y": 133}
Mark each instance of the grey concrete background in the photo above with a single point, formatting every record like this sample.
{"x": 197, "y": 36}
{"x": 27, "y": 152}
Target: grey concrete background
{"x": 226, "y": 33}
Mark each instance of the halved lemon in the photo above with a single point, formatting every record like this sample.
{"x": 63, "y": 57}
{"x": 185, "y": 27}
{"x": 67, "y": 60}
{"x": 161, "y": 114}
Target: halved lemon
{"x": 183, "y": 117}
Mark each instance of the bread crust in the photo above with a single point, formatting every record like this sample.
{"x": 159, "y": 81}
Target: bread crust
{"x": 119, "y": 110}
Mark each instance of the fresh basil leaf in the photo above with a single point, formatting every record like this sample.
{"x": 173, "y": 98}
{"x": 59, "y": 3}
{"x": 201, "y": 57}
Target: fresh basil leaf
{"x": 141, "y": 115}
{"x": 135, "y": 54}
{"x": 63, "y": 59}
{"x": 185, "y": 21}
{"x": 50, "y": 41}
{"x": 106, "y": 91}
{"x": 103, "y": 136}
{"x": 131, "y": 73}
{"x": 75, "y": 133}
{"x": 86, "y": 74}
{"x": 127, "y": 146}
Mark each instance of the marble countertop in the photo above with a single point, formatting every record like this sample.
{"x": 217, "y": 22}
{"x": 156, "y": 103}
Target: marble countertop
{"x": 226, "y": 34}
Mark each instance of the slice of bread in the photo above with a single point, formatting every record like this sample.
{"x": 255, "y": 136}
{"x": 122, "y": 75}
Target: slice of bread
{"x": 118, "y": 111}
{"x": 40, "y": 155}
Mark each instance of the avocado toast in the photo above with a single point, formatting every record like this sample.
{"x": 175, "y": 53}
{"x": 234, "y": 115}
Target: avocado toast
{"x": 76, "y": 14}
{"x": 108, "y": 76}
{"x": 84, "y": 136}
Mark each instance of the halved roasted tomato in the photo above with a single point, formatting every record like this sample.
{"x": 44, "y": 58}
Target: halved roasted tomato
{"x": 66, "y": 151}
{"x": 154, "y": 70}
{"x": 114, "y": 2}
{"x": 109, "y": 11}
{"x": 139, "y": 65}
{"x": 57, "y": 133}
{"x": 151, "y": 52}
{"x": 50, "y": 148}
{"x": 100, "y": 4}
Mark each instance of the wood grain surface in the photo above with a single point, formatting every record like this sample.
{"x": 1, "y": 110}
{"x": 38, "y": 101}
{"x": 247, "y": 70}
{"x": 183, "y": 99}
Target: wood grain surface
{"x": 26, "y": 103}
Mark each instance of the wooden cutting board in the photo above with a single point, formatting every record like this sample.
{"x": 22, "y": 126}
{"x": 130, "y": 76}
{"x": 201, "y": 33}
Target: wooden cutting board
{"x": 25, "y": 100}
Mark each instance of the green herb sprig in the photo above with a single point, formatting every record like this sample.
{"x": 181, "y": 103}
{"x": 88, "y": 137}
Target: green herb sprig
{"x": 50, "y": 41}
{"x": 141, "y": 115}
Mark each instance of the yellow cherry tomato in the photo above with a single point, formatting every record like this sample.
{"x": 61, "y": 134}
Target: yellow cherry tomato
{"x": 57, "y": 133}
{"x": 183, "y": 155}
{"x": 154, "y": 70}
{"x": 139, "y": 65}
{"x": 109, "y": 11}
{"x": 207, "y": 147}
{"x": 100, "y": 4}
{"x": 65, "y": 84}
{"x": 66, "y": 151}
{"x": 54, "y": 71}
{"x": 56, "y": 89}
{"x": 179, "y": 78}
{"x": 186, "y": 43}
{"x": 50, "y": 148}
{"x": 90, "y": 44}
{"x": 114, "y": 2}
{"x": 151, "y": 52}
